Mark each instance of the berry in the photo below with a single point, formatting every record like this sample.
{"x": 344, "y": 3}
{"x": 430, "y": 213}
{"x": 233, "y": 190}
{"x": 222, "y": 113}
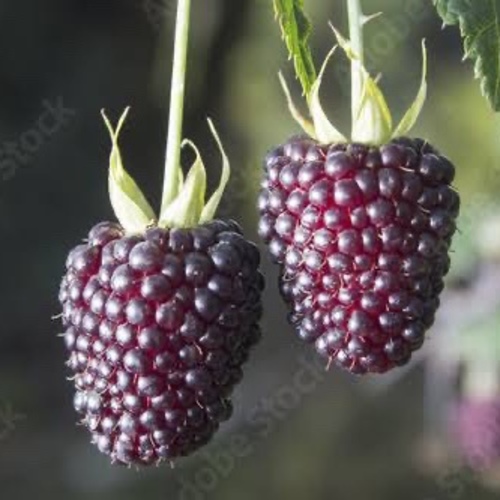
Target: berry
{"x": 477, "y": 429}
{"x": 362, "y": 236}
{"x": 158, "y": 327}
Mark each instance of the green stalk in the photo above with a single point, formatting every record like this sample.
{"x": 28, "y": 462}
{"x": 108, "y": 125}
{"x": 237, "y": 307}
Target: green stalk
{"x": 356, "y": 21}
{"x": 482, "y": 379}
{"x": 173, "y": 155}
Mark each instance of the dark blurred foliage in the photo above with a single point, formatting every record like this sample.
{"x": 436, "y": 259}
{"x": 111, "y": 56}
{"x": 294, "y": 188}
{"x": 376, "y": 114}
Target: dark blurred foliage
{"x": 340, "y": 438}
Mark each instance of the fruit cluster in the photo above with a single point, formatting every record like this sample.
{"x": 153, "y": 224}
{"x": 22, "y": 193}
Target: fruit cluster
{"x": 158, "y": 327}
{"x": 362, "y": 235}
{"x": 160, "y": 320}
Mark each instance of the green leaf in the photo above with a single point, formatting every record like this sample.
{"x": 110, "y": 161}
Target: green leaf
{"x": 296, "y": 29}
{"x": 129, "y": 203}
{"x": 479, "y": 22}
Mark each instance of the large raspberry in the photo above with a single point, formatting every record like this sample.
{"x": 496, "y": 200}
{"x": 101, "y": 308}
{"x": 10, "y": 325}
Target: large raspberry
{"x": 477, "y": 430}
{"x": 362, "y": 235}
{"x": 158, "y": 327}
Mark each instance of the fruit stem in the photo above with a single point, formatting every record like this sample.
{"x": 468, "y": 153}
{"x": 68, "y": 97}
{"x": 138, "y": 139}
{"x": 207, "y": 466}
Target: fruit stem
{"x": 173, "y": 170}
{"x": 356, "y": 21}
{"x": 482, "y": 379}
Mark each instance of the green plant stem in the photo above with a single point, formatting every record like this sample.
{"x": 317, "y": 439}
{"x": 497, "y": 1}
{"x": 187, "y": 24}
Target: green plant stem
{"x": 356, "y": 20}
{"x": 173, "y": 154}
{"x": 482, "y": 379}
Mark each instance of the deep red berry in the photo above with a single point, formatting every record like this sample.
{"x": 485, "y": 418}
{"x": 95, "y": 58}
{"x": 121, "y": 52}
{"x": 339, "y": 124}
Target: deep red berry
{"x": 157, "y": 329}
{"x": 362, "y": 235}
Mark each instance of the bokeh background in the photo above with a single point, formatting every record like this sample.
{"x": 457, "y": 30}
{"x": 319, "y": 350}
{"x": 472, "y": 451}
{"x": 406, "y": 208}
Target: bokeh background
{"x": 298, "y": 432}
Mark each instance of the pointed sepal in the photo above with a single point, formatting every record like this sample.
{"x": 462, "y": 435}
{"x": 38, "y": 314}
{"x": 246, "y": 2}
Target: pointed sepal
{"x": 411, "y": 116}
{"x": 373, "y": 121}
{"x": 189, "y": 209}
{"x": 130, "y": 206}
{"x": 325, "y": 131}
{"x": 210, "y": 208}
{"x": 303, "y": 122}
{"x": 185, "y": 210}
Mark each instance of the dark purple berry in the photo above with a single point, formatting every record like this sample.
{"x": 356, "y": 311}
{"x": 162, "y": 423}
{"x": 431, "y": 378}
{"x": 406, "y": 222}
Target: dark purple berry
{"x": 157, "y": 328}
{"x": 362, "y": 235}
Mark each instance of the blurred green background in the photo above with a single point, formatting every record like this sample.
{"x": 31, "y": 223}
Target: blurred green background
{"x": 297, "y": 432}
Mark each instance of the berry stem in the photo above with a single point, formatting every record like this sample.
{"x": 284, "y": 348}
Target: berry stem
{"x": 173, "y": 155}
{"x": 482, "y": 379}
{"x": 356, "y": 21}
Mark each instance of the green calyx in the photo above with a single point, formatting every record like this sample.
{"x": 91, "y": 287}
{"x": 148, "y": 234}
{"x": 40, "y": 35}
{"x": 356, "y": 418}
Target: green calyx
{"x": 188, "y": 206}
{"x": 183, "y": 201}
{"x": 372, "y": 121}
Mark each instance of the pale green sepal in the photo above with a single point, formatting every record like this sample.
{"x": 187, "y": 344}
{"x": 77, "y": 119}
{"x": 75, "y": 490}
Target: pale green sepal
{"x": 373, "y": 122}
{"x": 304, "y": 123}
{"x": 324, "y": 130}
{"x": 210, "y": 208}
{"x": 129, "y": 203}
{"x": 180, "y": 181}
{"x": 185, "y": 211}
{"x": 411, "y": 116}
